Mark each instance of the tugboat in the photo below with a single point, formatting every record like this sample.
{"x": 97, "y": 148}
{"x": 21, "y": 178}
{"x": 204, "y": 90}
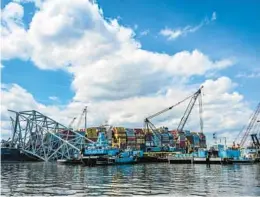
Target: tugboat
{"x": 127, "y": 156}
{"x": 100, "y": 153}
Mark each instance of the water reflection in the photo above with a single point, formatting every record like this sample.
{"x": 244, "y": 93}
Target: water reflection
{"x": 128, "y": 180}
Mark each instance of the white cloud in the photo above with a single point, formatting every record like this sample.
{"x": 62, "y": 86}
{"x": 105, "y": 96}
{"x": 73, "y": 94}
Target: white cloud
{"x": 173, "y": 34}
{"x": 37, "y": 3}
{"x": 13, "y": 35}
{"x": 214, "y": 16}
{"x": 251, "y": 75}
{"x": 221, "y": 105}
{"x": 77, "y": 38}
{"x": 53, "y": 98}
{"x": 120, "y": 81}
{"x": 145, "y": 32}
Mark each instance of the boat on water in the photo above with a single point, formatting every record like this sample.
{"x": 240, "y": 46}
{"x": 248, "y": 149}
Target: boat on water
{"x": 101, "y": 153}
{"x": 9, "y": 154}
{"x": 127, "y": 156}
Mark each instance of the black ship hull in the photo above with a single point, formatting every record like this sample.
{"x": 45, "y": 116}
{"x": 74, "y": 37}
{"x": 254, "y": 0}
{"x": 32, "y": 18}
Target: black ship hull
{"x": 15, "y": 155}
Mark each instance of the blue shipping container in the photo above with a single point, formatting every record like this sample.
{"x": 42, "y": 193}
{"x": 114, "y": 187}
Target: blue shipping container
{"x": 196, "y": 140}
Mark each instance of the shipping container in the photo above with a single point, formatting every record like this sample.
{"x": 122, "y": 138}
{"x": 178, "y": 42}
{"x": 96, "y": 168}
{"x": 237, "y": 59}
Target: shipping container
{"x": 140, "y": 141}
{"x": 174, "y": 133}
{"x": 130, "y": 132}
{"x": 139, "y": 132}
{"x": 196, "y": 140}
{"x": 187, "y": 132}
{"x": 149, "y": 137}
{"x": 190, "y": 139}
{"x": 119, "y": 130}
{"x": 92, "y": 132}
{"x": 182, "y": 144}
{"x": 165, "y": 138}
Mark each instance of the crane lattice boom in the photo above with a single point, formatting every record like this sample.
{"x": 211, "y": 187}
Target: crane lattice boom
{"x": 189, "y": 109}
{"x": 71, "y": 123}
{"x": 81, "y": 116}
{"x": 148, "y": 125}
{"x": 250, "y": 125}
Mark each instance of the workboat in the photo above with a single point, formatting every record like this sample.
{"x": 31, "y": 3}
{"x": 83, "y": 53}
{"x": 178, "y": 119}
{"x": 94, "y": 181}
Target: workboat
{"x": 100, "y": 153}
{"x": 110, "y": 156}
{"x": 127, "y": 156}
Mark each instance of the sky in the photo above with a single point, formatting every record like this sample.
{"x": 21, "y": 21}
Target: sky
{"x": 127, "y": 60}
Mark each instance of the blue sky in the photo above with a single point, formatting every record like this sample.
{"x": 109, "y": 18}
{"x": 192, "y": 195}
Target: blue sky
{"x": 235, "y": 33}
{"x": 217, "y": 29}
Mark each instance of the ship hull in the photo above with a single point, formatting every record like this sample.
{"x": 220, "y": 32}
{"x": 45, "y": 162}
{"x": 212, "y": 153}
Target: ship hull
{"x": 15, "y": 155}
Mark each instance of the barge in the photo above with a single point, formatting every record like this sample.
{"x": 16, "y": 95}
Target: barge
{"x": 197, "y": 160}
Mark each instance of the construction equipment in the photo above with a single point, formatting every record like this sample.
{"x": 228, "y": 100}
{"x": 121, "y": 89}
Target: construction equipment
{"x": 188, "y": 110}
{"x": 71, "y": 123}
{"x": 251, "y": 125}
{"x": 149, "y": 126}
{"x": 84, "y": 112}
{"x": 255, "y": 140}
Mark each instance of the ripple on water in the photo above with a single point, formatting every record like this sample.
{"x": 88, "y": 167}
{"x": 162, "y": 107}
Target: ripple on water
{"x": 28, "y": 179}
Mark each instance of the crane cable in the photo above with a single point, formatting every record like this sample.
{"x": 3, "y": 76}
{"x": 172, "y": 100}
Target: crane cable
{"x": 160, "y": 112}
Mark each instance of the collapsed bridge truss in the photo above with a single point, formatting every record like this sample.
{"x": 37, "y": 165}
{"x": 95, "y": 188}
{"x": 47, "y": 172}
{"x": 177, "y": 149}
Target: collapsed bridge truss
{"x": 42, "y": 137}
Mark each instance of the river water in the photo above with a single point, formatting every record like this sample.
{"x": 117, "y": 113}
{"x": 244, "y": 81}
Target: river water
{"x": 51, "y": 179}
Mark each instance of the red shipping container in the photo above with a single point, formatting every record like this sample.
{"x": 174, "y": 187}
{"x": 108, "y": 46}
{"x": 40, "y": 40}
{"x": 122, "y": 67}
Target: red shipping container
{"x": 182, "y": 144}
{"x": 139, "y": 131}
{"x": 131, "y": 139}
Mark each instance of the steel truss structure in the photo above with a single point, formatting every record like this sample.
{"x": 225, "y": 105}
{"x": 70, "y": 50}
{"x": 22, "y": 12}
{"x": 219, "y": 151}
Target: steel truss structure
{"x": 42, "y": 137}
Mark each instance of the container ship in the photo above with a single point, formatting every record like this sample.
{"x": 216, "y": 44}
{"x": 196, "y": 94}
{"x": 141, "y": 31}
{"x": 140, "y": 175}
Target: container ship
{"x": 12, "y": 154}
{"x": 15, "y": 155}
{"x": 138, "y": 139}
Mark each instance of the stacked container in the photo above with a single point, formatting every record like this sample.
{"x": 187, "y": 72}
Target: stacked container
{"x": 149, "y": 139}
{"x": 182, "y": 139}
{"x": 140, "y": 138}
{"x": 92, "y": 133}
{"x": 119, "y": 137}
{"x": 130, "y": 138}
{"x": 175, "y": 136}
{"x": 202, "y": 140}
{"x": 66, "y": 134}
{"x": 165, "y": 138}
{"x": 196, "y": 140}
{"x": 190, "y": 139}
{"x": 171, "y": 139}
{"x": 187, "y": 132}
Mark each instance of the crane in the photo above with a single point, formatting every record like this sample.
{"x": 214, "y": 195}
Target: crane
{"x": 250, "y": 125}
{"x": 71, "y": 123}
{"x": 84, "y": 112}
{"x": 188, "y": 110}
{"x": 254, "y": 136}
{"x": 148, "y": 125}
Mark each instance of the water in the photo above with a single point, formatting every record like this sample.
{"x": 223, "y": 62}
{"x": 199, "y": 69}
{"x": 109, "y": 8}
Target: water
{"x": 51, "y": 179}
